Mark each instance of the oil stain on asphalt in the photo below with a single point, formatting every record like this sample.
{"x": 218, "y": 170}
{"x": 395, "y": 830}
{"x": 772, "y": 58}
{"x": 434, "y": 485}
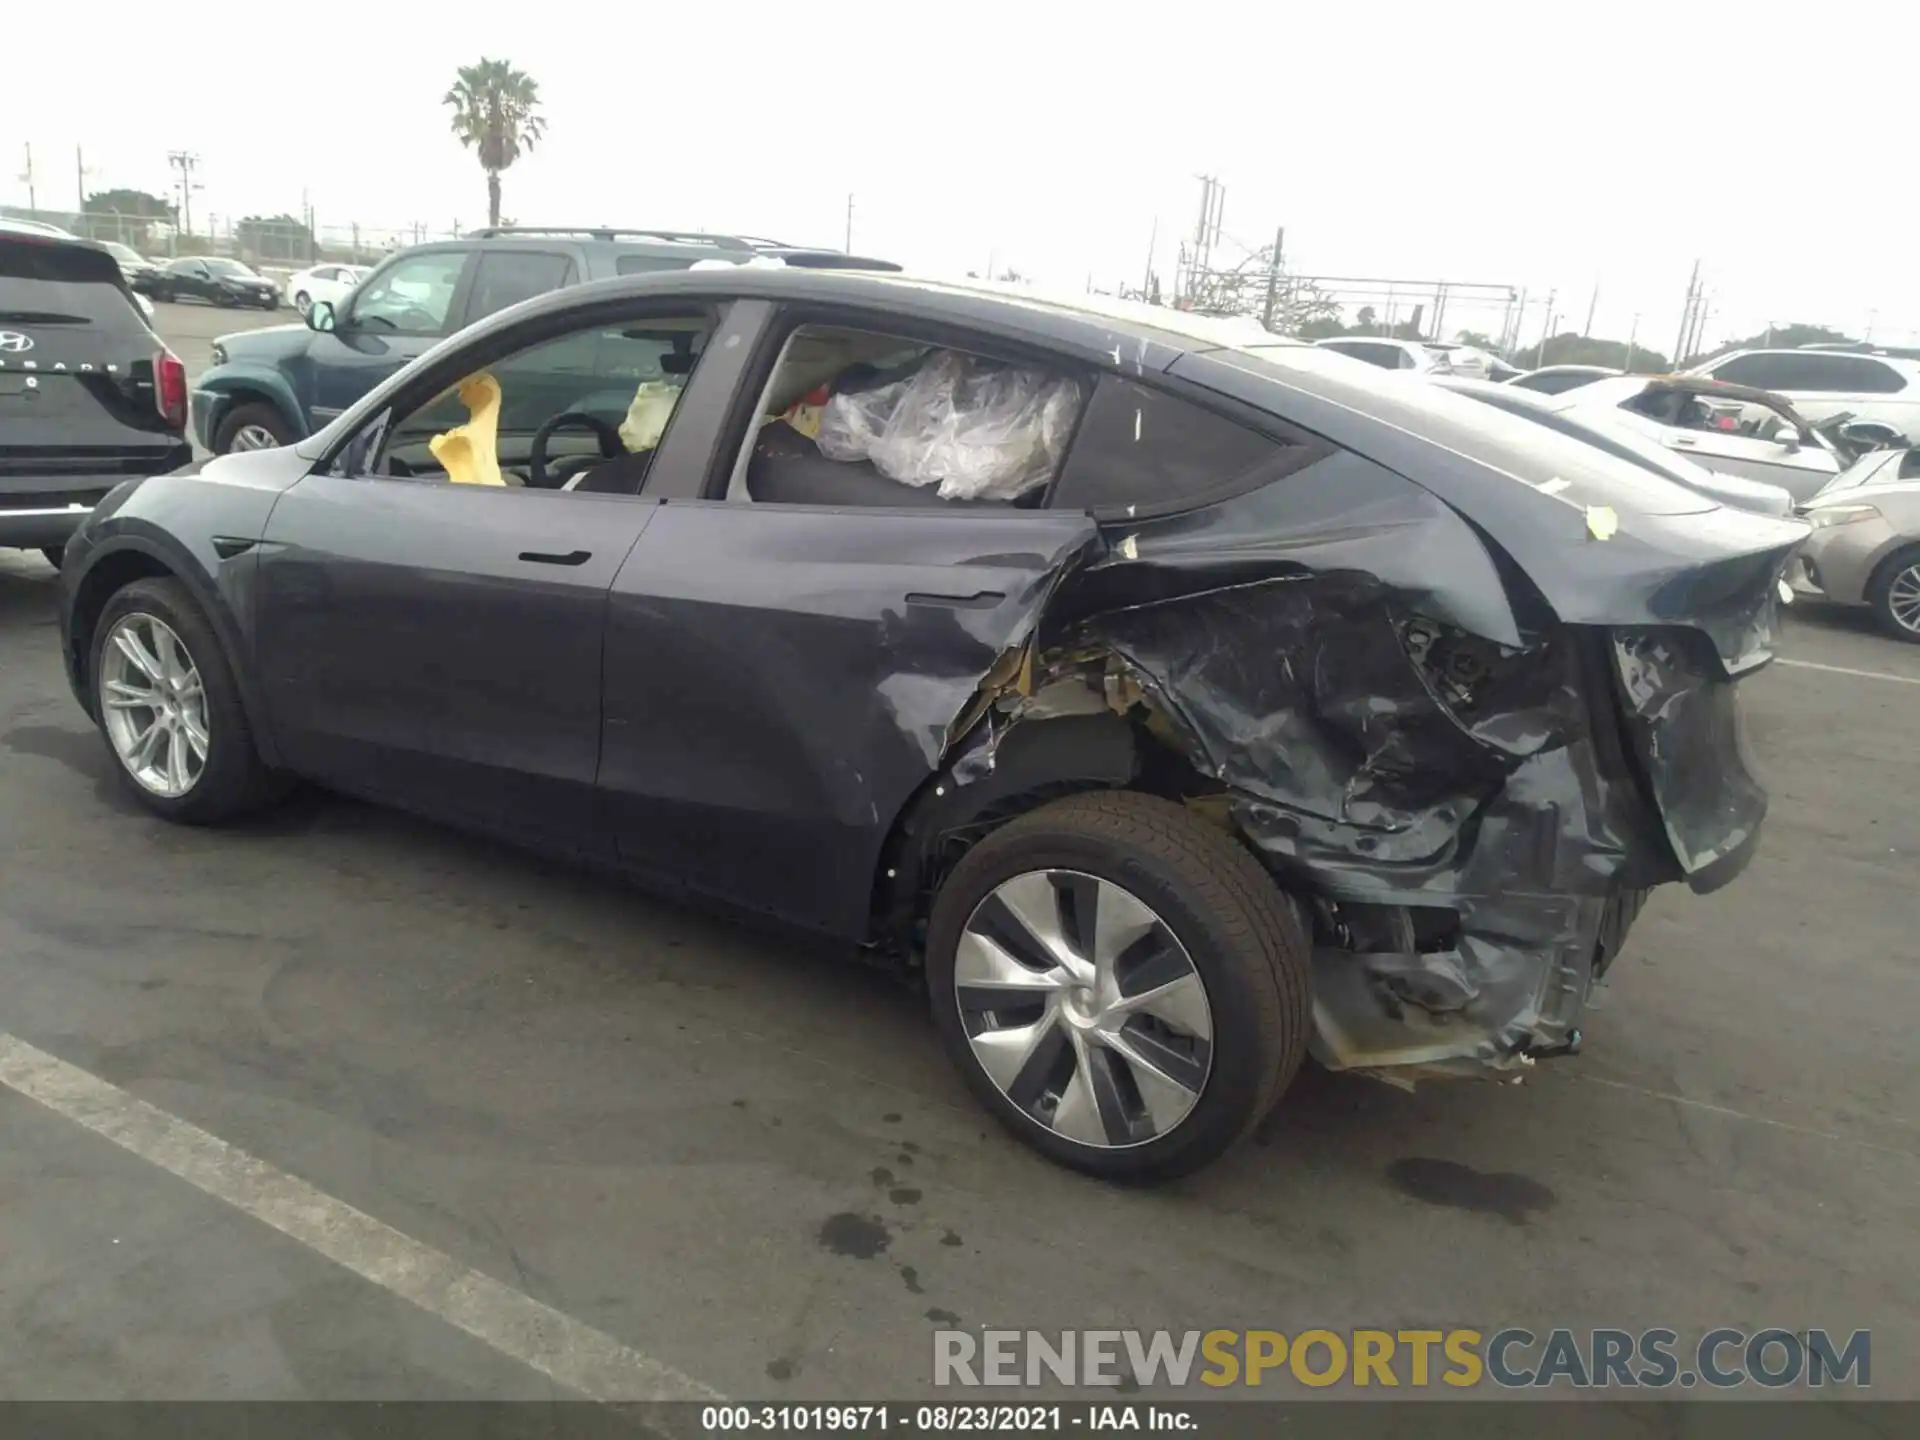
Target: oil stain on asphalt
{"x": 1514, "y": 1198}
{"x": 860, "y": 1237}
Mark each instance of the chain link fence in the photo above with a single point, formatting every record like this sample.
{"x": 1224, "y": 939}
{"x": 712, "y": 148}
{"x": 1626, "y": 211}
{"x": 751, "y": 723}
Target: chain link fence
{"x": 281, "y": 242}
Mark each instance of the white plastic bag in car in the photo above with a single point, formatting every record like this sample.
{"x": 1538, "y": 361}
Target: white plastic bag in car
{"x": 648, "y": 415}
{"x": 978, "y": 430}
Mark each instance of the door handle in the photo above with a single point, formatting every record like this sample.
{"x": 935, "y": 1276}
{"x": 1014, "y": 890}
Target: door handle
{"x": 1684, "y": 442}
{"x": 979, "y": 600}
{"x": 572, "y": 557}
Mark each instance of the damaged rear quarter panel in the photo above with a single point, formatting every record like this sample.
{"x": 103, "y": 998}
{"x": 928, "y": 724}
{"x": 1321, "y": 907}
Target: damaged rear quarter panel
{"x": 1379, "y": 751}
{"x": 1407, "y": 692}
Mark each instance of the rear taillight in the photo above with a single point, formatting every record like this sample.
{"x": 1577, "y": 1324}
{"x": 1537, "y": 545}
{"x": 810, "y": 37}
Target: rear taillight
{"x": 170, "y": 389}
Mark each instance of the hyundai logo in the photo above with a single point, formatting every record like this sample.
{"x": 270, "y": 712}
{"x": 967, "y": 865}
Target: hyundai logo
{"x": 12, "y": 342}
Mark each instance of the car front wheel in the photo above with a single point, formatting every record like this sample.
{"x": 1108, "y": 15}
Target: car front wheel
{"x": 170, "y": 710}
{"x": 1120, "y": 983}
{"x": 303, "y": 302}
{"x": 1894, "y": 594}
{"x": 252, "y": 426}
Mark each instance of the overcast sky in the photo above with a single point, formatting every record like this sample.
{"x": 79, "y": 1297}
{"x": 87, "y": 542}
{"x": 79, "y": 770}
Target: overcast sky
{"x": 1552, "y": 146}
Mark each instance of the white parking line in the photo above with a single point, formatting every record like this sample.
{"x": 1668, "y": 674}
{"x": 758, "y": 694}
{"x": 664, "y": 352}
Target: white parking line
{"x": 1844, "y": 670}
{"x": 518, "y": 1326}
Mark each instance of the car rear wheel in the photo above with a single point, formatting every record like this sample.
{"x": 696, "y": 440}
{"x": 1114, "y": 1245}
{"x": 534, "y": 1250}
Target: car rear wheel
{"x": 169, "y": 708}
{"x": 1120, "y": 983}
{"x": 303, "y": 302}
{"x": 253, "y": 426}
{"x": 1894, "y": 594}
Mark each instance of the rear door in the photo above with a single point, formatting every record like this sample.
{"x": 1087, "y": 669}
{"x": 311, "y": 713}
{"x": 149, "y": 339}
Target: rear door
{"x": 398, "y": 314}
{"x": 780, "y": 678}
{"x": 77, "y": 372}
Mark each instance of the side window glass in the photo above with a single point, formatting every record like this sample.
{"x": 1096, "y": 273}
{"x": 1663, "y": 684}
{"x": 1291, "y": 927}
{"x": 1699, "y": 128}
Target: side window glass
{"x": 861, "y": 418}
{"x": 412, "y": 296}
{"x": 1138, "y": 448}
{"x": 603, "y": 396}
{"x": 1870, "y": 377}
{"x": 506, "y": 277}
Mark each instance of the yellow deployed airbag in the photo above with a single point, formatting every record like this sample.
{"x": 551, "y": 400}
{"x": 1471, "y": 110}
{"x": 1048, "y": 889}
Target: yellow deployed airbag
{"x": 469, "y": 453}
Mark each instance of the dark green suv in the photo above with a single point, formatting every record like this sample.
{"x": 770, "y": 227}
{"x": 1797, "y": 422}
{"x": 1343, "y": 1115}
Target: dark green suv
{"x": 274, "y": 386}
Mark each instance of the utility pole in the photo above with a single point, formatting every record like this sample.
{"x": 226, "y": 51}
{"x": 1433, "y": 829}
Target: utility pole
{"x": 185, "y": 161}
{"x": 1587, "y": 333}
{"x": 1686, "y": 314}
{"x": 1546, "y": 330}
{"x": 80, "y": 183}
{"x": 1632, "y": 335}
{"x": 27, "y": 175}
{"x": 849, "y": 222}
{"x": 1146, "y": 278}
{"x": 1273, "y": 277}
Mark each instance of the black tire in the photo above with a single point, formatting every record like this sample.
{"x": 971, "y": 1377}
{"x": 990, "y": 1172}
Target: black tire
{"x": 303, "y": 302}
{"x": 161, "y": 295}
{"x": 54, "y": 554}
{"x": 1238, "y": 928}
{"x": 1880, "y": 592}
{"x": 255, "y": 412}
{"x": 234, "y": 782}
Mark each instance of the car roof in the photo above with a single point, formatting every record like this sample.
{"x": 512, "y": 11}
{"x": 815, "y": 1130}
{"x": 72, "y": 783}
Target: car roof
{"x": 1804, "y": 352}
{"x": 679, "y": 244}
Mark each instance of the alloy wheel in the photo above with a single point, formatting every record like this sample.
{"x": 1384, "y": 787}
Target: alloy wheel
{"x": 254, "y": 437}
{"x": 154, "y": 705}
{"x": 1903, "y": 599}
{"x": 1084, "y": 1008}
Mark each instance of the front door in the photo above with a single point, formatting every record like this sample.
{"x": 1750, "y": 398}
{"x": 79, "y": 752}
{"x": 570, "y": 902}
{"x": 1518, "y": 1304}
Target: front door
{"x": 780, "y": 680}
{"x": 401, "y": 312}
{"x": 439, "y": 646}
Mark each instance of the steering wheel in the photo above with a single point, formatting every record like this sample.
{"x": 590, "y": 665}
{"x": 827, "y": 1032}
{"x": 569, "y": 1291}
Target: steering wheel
{"x": 610, "y": 446}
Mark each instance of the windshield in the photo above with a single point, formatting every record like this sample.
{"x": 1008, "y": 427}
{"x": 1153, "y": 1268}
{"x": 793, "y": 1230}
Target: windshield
{"x": 220, "y": 265}
{"x": 119, "y": 251}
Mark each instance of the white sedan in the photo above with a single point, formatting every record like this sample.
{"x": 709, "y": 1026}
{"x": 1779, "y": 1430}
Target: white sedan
{"x": 324, "y": 282}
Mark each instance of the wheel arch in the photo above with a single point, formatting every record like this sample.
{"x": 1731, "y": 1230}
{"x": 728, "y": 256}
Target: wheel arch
{"x": 118, "y": 563}
{"x": 237, "y": 384}
{"x": 992, "y": 777}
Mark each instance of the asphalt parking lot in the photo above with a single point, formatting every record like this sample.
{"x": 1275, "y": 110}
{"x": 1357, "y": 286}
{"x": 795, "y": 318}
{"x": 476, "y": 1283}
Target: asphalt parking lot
{"x": 190, "y": 328}
{"x": 744, "y": 1162}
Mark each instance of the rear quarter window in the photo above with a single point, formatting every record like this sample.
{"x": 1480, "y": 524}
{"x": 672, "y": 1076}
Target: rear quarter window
{"x": 1140, "y": 450}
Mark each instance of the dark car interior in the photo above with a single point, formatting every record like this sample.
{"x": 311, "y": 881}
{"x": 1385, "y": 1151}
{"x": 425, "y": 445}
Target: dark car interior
{"x": 585, "y": 413}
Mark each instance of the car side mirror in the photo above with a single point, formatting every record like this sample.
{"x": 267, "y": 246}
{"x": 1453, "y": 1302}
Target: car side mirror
{"x": 1789, "y": 440}
{"x": 320, "y": 317}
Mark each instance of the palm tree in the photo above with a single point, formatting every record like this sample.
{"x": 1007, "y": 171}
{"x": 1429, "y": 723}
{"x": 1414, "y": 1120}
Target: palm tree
{"x": 494, "y": 109}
